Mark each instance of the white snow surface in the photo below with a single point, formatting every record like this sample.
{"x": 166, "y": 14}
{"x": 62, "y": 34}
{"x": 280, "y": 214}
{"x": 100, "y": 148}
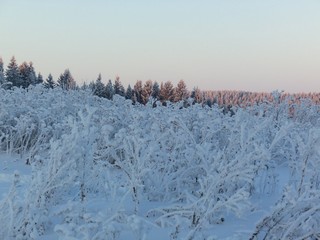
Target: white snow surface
{"x": 100, "y": 169}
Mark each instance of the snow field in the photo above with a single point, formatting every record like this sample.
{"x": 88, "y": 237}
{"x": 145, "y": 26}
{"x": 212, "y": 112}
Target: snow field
{"x": 103, "y": 169}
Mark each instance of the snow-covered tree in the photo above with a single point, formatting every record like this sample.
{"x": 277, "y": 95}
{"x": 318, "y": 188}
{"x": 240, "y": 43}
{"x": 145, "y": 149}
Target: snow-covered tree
{"x": 27, "y": 74}
{"x": 146, "y": 91}
{"x": 118, "y": 87}
{"x": 197, "y": 95}
{"x": 84, "y": 86}
{"x": 129, "y": 92}
{"x": 49, "y": 83}
{"x": 99, "y": 88}
{"x": 91, "y": 86}
{"x": 12, "y": 73}
{"x": 33, "y": 77}
{"x": 167, "y": 91}
{"x": 66, "y": 81}
{"x": 180, "y": 91}
{"x": 109, "y": 90}
{"x": 24, "y": 74}
{"x": 39, "y": 79}
{"x": 138, "y": 91}
{"x": 155, "y": 90}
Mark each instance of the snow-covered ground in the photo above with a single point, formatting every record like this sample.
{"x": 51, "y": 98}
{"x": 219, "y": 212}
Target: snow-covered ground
{"x": 232, "y": 227}
{"x": 11, "y": 164}
{"x": 104, "y": 169}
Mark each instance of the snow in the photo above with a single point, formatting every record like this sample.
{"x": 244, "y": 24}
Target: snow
{"x": 11, "y": 165}
{"x": 103, "y": 169}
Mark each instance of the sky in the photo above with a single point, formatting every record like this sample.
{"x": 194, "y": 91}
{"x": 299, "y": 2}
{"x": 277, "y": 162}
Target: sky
{"x": 251, "y": 45}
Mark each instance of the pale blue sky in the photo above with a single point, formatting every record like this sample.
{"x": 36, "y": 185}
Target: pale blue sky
{"x": 255, "y": 45}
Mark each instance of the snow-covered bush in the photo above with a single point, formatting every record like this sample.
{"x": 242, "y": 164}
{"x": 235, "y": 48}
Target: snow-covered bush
{"x": 297, "y": 213}
{"x": 109, "y": 169}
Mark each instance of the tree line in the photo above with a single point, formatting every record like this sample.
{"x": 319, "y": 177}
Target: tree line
{"x": 24, "y": 75}
{"x": 141, "y": 92}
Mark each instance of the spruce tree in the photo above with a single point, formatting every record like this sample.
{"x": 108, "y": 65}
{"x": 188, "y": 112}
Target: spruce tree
{"x": 99, "y": 89}
{"x": 92, "y": 86}
{"x": 27, "y": 74}
{"x": 39, "y": 79}
{"x": 109, "y": 91}
{"x": 12, "y": 73}
{"x": 118, "y": 87}
{"x": 24, "y": 74}
{"x": 32, "y": 74}
{"x": 84, "y": 86}
{"x": 155, "y": 91}
{"x": 49, "y": 83}
{"x": 129, "y": 92}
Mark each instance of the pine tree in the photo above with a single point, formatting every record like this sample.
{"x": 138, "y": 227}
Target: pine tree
{"x": 66, "y": 81}
{"x": 49, "y": 83}
{"x": 12, "y": 74}
{"x": 109, "y": 91}
{"x": 129, "y": 93}
{"x": 118, "y": 87}
{"x": 180, "y": 92}
{"x": 99, "y": 88}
